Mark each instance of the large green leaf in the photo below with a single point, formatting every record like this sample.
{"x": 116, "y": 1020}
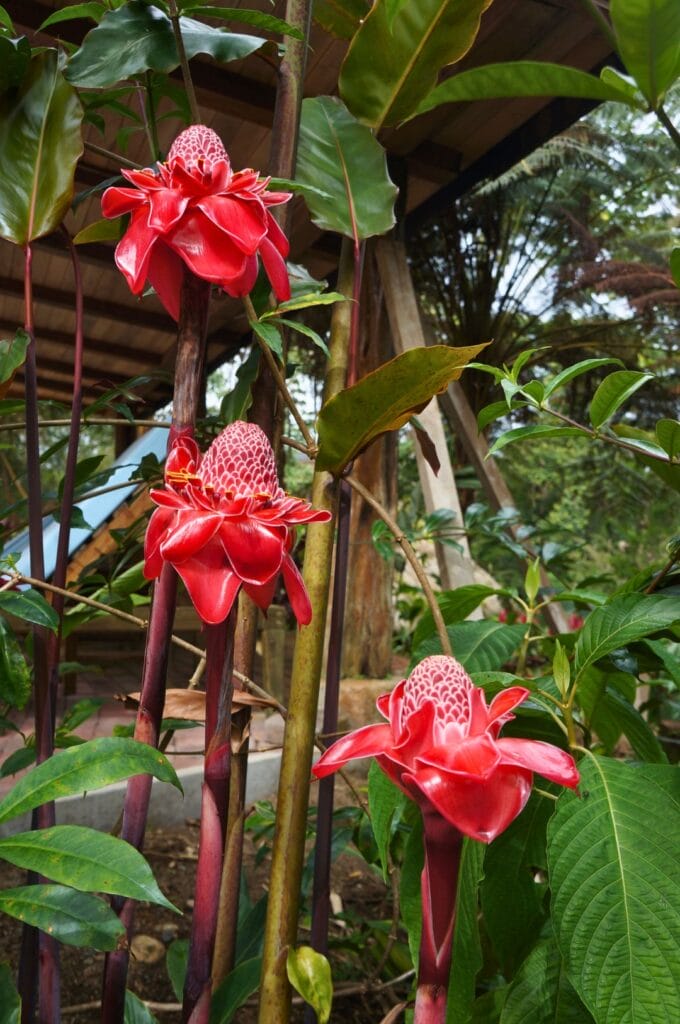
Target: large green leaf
{"x": 391, "y": 67}
{"x": 15, "y": 675}
{"x": 385, "y": 400}
{"x": 519, "y": 78}
{"x": 614, "y": 390}
{"x": 340, "y": 17}
{"x": 73, "y": 917}
{"x": 542, "y": 993}
{"x": 641, "y": 440}
{"x": 647, "y": 34}
{"x": 85, "y": 859}
{"x": 537, "y": 431}
{"x": 479, "y": 646}
{"x": 88, "y": 766}
{"x": 238, "y": 985}
{"x": 612, "y": 854}
{"x": 12, "y": 355}
{"x": 668, "y": 435}
{"x": 410, "y": 900}
{"x": 621, "y": 622}
{"x": 385, "y": 802}
{"x": 10, "y": 1003}
{"x": 136, "y": 1011}
{"x": 40, "y": 143}
{"x": 455, "y": 605}
{"x": 30, "y": 606}
{"x": 347, "y": 166}
{"x": 571, "y": 372}
{"x": 138, "y": 38}
{"x": 512, "y": 899}
{"x": 466, "y": 955}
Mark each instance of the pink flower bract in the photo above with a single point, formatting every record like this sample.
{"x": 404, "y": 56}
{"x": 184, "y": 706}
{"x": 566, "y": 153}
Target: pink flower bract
{"x": 195, "y": 210}
{"x": 442, "y": 747}
{"x": 223, "y": 522}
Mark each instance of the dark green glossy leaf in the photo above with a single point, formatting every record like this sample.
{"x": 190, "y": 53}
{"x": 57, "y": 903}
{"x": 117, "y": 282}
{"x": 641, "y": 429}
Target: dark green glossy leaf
{"x": 136, "y": 1011}
{"x": 91, "y": 11}
{"x": 340, "y": 17}
{"x": 519, "y": 78}
{"x": 621, "y": 622}
{"x": 675, "y": 265}
{"x": 410, "y": 902}
{"x": 385, "y": 801}
{"x": 615, "y": 890}
{"x": 235, "y": 404}
{"x": 14, "y": 57}
{"x": 30, "y": 606}
{"x": 176, "y": 965}
{"x": 466, "y": 956}
{"x": 640, "y": 439}
{"x": 571, "y": 372}
{"x": 309, "y": 973}
{"x": 614, "y": 390}
{"x": 538, "y": 431}
{"x": 267, "y": 22}
{"x": 89, "y": 766}
{"x": 270, "y": 335}
{"x": 15, "y": 675}
{"x": 10, "y": 1003}
{"x": 342, "y": 158}
{"x": 17, "y": 761}
{"x": 479, "y": 646}
{"x": 294, "y": 325}
{"x": 385, "y": 400}
{"x": 647, "y": 34}
{"x": 455, "y": 606}
{"x": 73, "y": 917}
{"x": 85, "y": 859}
{"x": 391, "y": 67}
{"x": 13, "y": 355}
{"x": 138, "y": 38}
{"x": 542, "y": 993}
{"x": 668, "y": 435}
{"x": 250, "y": 935}
{"x": 234, "y": 990}
{"x": 40, "y": 143}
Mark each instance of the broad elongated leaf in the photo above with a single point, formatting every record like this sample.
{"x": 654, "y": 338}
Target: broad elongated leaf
{"x": 12, "y": 356}
{"x": 385, "y": 400}
{"x": 15, "y": 675}
{"x": 455, "y": 605}
{"x": 101, "y": 231}
{"x": 519, "y": 78}
{"x": 613, "y": 392}
{"x": 88, "y": 766}
{"x": 348, "y": 167}
{"x": 340, "y": 17}
{"x": 542, "y": 993}
{"x": 138, "y": 38}
{"x": 73, "y": 917}
{"x": 612, "y": 856}
{"x": 410, "y": 902}
{"x": 466, "y": 956}
{"x": 10, "y": 1003}
{"x": 309, "y": 973}
{"x": 538, "y": 431}
{"x": 640, "y": 440}
{"x": 571, "y": 372}
{"x": 621, "y": 622}
{"x": 386, "y": 802}
{"x": 136, "y": 1011}
{"x": 92, "y": 11}
{"x": 668, "y": 435}
{"x": 176, "y": 964}
{"x": 479, "y": 646}
{"x": 238, "y": 985}
{"x": 391, "y": 66}
{"x": 30, "y": 606}
{"x": 40, "y": 143}
{"x": 85, "y": 859}
{"x": 14, "y": 55}
{"x": 267, "y": 22}
{"x": 647, "y": 33}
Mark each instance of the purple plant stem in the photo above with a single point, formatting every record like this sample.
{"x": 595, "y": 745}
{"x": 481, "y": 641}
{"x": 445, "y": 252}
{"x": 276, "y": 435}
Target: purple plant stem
{"x": 214, "y": 808}
{"x": 39, "y": 970}
{"x": 188, "y": 390}
{"x": 438, "y": 887}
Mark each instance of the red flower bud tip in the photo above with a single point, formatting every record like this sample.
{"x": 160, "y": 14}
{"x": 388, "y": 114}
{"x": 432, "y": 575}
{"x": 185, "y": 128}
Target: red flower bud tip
{"x": 224, "y": 522}
{"x": 194, "y": 211}
{"x": 442, "y": 747}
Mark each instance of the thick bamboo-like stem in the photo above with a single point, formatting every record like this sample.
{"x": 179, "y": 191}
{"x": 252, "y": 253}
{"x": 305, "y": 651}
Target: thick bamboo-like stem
{"x": 214, "y": 800}
{"x": 188, "y": 390}
{"x": 40, "y": 954}
{"x": 298, "y": 744}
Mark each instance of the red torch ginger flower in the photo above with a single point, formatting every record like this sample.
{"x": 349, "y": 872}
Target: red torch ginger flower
{"x": 197, "y": 211}
{"x": 442, "y": 748}
{"x": 223, "y": 522}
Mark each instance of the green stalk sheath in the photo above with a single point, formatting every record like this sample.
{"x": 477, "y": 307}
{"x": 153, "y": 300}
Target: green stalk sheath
{"x": 298, "y": 743}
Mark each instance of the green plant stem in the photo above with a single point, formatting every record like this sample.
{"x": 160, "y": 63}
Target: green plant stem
{"x": 280, "y": 382}
{"x": 151, "y": 119}
{"x": 183, "y": 62}
{"x": 412, "y": 559}
{"x": 296, "y": 759}
{"x": 606, "y": 438}
{"x": 115, "y": 158}
{"x": 665, "y": 120}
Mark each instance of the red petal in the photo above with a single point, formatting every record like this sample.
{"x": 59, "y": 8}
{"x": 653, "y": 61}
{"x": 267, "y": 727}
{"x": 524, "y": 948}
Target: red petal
{"x": 474, "y": 756}
{"x": 297, "y": 592}
{"x": 167, "y": 207}
{"x": 537, "y": 756}
{"x": 275, "y": 267}
{"x": 145, "y": 180}
{"x": 276, "y": 236}
{"x": 165, "y": 274}
{"x": 366, "y": 742}
{"x": 117, "y": 201}
{"x": 159, "y": 523}
{"x": 501, "y": 707}
{"x": 191, "y": 532}
{"x": 211, "y": 584}
{"x": 480, "y": 808}
{"x": 262, "y": 595}
{"x": 243, "y": 222}
{"x": 245, "y": 282}
{"x": 206, "y": 250}
{"x": 134, "y": 250}
{"x": 255, "y": 551}
{"x": 167, "y": 498}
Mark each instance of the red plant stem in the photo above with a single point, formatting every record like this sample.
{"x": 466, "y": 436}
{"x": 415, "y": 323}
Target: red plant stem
{"x": 438, "y": 887}
{"x": 214, "y": 807}
{"x": 41, "y": 972}
{"x": 189, "y": 367}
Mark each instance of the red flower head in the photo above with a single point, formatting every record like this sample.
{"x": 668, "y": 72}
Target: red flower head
{"x": 442, "y": 748}
{"x": 223, "y": 521}
{"x": 195, "y": 210}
